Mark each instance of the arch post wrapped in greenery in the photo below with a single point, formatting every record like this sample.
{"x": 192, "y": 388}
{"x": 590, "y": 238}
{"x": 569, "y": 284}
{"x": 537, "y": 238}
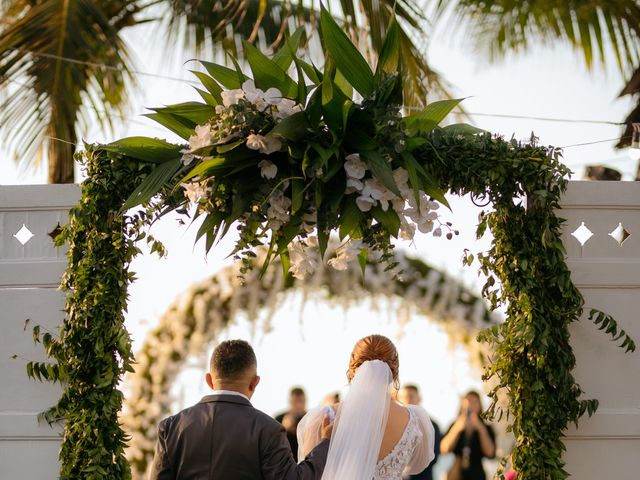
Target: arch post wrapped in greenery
{"x": 290, "y": 157}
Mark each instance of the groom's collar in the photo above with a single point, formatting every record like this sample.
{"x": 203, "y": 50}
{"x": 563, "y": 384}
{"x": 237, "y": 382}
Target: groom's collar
{"x": 229, "y": 396}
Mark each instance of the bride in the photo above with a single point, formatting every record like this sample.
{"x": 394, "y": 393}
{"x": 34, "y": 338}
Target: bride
{"x": 374, "y": 436}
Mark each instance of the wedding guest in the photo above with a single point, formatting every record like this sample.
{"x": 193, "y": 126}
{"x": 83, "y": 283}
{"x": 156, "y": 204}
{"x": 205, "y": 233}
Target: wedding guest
{"x": 225, "y": 437}
{"x": 410, "y": 395}
{"x": 470, "y": 439}
{"x": 291, "y": 418}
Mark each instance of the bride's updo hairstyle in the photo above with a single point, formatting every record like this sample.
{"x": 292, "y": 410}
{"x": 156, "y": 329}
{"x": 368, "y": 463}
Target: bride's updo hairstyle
{"x": 375, "y": 347}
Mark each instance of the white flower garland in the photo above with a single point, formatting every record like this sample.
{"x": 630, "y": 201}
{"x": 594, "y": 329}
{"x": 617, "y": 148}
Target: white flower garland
{"x": 197, "y": 317}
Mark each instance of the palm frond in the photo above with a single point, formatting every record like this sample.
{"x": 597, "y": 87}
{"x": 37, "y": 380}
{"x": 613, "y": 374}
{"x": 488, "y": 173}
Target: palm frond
{"x": 267, "y": 22}
{"x": 589, "y": 25}
{"x": 53, "y": 56}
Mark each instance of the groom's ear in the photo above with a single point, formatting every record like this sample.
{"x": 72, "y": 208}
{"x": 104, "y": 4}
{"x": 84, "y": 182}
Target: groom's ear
{"x": 209, "y": 379}
{"x": 254, "y": 383}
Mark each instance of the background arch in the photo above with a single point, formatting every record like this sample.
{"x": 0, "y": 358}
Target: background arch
{"x": 196, "y": 317}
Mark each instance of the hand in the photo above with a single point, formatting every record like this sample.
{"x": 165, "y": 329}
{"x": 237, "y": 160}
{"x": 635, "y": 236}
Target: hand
{"x": 474, "y": 421}
{"x": 326, "y": 429}
{"x": 289, "y": 423}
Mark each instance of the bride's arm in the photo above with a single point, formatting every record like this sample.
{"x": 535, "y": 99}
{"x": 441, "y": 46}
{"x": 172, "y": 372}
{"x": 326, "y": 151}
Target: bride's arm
{"x": 423, "y": 455}
{"x": 308, "y": 431}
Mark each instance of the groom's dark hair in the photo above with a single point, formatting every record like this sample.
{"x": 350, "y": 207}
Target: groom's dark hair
{"x": 231, "y": 359}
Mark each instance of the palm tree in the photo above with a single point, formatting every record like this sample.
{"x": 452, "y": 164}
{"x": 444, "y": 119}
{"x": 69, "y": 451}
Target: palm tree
{"x": 63, "y": 63}
{"x": 596, "y": 28}
{"x": 45, "y": 94}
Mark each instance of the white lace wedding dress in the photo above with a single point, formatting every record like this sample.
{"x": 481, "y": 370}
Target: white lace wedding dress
{"x": 411, "y": 455}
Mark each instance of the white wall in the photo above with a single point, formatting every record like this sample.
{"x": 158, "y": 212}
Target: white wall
{"x": 608, "y": 275}
{"x": 29, "y": 277}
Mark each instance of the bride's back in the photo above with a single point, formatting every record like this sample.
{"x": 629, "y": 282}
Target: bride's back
{"x": 396, "y": 425}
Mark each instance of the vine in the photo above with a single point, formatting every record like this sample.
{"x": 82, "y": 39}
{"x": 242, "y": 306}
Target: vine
{"x": 291, "y": 165}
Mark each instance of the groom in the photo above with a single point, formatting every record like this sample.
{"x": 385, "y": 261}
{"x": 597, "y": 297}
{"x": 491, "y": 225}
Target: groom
{"x": 224, "y": 437}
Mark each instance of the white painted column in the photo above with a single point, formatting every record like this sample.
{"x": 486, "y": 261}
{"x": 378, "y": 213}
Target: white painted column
{"x": 608, "y": 275}
{"x": 29, "y": 277}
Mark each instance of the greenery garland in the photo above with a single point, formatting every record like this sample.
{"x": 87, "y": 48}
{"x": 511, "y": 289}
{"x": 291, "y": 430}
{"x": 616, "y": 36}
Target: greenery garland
{"x": 195, "y": 319}
{"x": 368, "y": 174}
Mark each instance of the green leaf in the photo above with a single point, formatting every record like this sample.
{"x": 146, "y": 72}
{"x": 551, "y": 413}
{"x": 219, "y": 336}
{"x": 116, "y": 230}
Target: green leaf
{"x": 225, "y": 76}
{"x": 196, "y": 112}
{"x": 267, "y": 73}
{"x": 211, "y": 164}
{"x": 181, "y": 126}
{"x": 294, "y": 127}
{"x": 297, "y": 194}
{"x": 431, "y": 116}
{"x": 346, "y": 56}
{"x": 350, "y": 217}
{"x": 210, "y": 84}
{"x": 287, "y": 53}
{"x": 389, "y": 58}
{"x": 462, "y": 129}
{"x": 388, "y": 219}
{"x": 153, "y": 183}
{"x": 380, "y": 169}
{"x": 145, "y": 148}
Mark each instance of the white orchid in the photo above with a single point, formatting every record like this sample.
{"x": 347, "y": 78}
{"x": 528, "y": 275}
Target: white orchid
{"x": 264, "y": 143}
{"x": 285, "y": 108}
{"x": 202, "y": 137}
{"x": 353, "y": 185}
{"x": 231, "y": 97}
{"x": 268, "y": 169}
{"x": 346, "y": 254}
{"x": 187, "y": 156}
{"x": 195, "y": 191}
{"x": 278, "y": 211}
{"x": 303, "y": 262}
{"x": 355, "y": 167}
{"x": 262, "y": 100}
{"x": 407, "y": 230}
{"x": 365, "y": 203}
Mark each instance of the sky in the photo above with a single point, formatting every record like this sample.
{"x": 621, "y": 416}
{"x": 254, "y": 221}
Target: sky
{"x": 309, "y": 345}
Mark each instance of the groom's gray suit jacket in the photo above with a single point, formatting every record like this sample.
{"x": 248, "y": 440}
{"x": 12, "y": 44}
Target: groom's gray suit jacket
{"x": 224, "y": 437}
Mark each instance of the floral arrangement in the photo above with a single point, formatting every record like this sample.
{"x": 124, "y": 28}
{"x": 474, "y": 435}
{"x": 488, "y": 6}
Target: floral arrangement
{"x": 292, "y": 161}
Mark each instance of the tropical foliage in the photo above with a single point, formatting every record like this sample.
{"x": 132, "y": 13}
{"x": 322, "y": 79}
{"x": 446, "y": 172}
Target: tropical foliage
{"x": 525, "y": 268}
{"x": 282, "y": 157}
{"x": 604, "y": 31}
{"x": 64, "y": 64}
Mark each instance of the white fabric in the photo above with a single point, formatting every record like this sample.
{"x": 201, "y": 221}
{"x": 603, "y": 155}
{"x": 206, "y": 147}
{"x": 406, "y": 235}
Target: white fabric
{"x": 411, "y": 454}
{"x": 360, "y": 424}
{"x": 228, "y": 392}
{"x": 423, "y": 453}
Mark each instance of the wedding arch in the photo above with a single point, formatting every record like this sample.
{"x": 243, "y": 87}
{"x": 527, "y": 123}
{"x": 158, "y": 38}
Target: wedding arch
{"x": 288, "y": 158}
{"x": 195, "y": 319}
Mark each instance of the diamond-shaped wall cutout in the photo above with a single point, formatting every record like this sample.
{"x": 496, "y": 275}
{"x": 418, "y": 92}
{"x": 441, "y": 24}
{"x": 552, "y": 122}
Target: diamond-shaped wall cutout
{"x": 23, "y": 235}
{"x": 620, "y": 234}
{"x": 582, "y": 234}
